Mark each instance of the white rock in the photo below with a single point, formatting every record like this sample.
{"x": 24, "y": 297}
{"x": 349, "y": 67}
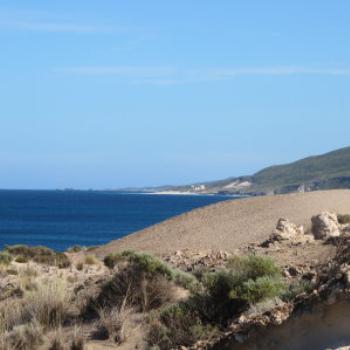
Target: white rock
{"x": 286, "y": 230}
{"x": 325, "y": 225}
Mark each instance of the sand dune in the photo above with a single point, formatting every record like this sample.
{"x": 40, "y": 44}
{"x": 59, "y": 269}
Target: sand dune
{"x": 231, "y": 224}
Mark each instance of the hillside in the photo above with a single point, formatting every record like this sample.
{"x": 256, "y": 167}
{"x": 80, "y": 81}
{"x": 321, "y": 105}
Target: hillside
{"x": 331, "y": 170}
{"x": 230, "y": 225}
{"x": 327, "y": 171}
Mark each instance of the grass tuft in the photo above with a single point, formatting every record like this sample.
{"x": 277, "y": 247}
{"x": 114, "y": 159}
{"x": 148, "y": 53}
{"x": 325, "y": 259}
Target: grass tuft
{"x": 344, "y": 219}
{"x": 5, "y": 258}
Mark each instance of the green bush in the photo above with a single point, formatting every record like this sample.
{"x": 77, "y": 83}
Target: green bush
{"x": 253, "y": 266}
{"x": 21, "y": 259}
{"x": 57, "y": 259}
{"x": 143, "y": 281}
{"x": 224, "y": 294}
{"x": 177, "y": 325}
{"x": 228, "y": 292}
{"x": 5, "y": 258}
{"x": 41, "y": 255}
{"x": 90, "y": 260}
{"x": 133, "y": 286}
{"x": 254, "y": 291}
{"x": 151, "y": 265}
{"x": 344, "y": 219}
{"x": 297, "y": 288}
{"x": 113, "y": 259}
{"x": 80, "y": 266}
{"x": 29, "y": 252}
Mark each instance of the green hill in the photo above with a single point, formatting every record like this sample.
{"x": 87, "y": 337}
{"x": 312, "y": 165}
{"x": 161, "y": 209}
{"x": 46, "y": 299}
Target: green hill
{"x": 331, "y": 170}
{"x": 327, "y": 171}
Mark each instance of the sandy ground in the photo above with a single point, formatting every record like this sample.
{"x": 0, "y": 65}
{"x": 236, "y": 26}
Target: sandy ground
{"x": 232, "y": 224}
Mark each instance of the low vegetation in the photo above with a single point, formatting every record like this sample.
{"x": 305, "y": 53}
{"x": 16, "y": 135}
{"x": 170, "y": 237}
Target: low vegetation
{"x": 41, "y": 255}
{"x": 176, "y": 308}
{"x": 151, "y": 265}
{"x": 344, "y": 219}
{"x": 143, "y": 280}
{"x": 5, "y": 258}
{"x": 224, "y": 294}
{"x": 113, "y": 324}
{"x": 90, "y": 260}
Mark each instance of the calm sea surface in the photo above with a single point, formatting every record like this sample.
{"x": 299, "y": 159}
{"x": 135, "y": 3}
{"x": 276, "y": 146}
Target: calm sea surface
{"x": 61, "y": 219}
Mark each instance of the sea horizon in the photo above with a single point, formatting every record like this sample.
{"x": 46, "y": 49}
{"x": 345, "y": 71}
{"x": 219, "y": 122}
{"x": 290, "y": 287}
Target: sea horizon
{"x": 60, "y": 219}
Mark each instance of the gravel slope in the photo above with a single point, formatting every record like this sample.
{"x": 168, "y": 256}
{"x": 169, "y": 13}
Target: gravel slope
{"x": 232, "y": 224}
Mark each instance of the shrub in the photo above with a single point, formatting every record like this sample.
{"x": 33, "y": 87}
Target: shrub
{"x": 253, "y": 266}
{"x": 41, "y": 255}
{"x": 90, "y": 260}
{"x": 177, "y": 325}
{"x": 79, "y": 266}
{"x": 150, "y": 265}
{"x": 254, "y": 291}
{"x": 344, "y": 219}
{"x": 29, "y": 252}
{"x": 21, "y": 259}
{"x": 5, "y": 258}
{"x": 297, "y": 288}
{"x": 216, "y": 303}
{"x": 12, "y": 272}
{"x": 141, "y": 290}
{"x": 58, "y": 259}
{"x": 111, "y": 260}
{"x": 249, "y": 280}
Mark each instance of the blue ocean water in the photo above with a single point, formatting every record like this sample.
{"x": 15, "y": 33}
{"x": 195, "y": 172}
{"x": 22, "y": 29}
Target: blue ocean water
{"x": 61, "y": 219}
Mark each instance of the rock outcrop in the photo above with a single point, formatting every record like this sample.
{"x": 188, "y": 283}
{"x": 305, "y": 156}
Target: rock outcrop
{"x": 286, "y": 230}
{"x": 325, "y": 225}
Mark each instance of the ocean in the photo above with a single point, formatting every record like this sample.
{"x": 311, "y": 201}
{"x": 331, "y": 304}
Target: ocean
{"x": 61, "y": 219}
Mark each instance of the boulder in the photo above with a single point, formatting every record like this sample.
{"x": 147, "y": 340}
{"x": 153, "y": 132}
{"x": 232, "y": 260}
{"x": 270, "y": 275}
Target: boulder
{"x": 286, "y": 230}
{"x": 325, "y": 225}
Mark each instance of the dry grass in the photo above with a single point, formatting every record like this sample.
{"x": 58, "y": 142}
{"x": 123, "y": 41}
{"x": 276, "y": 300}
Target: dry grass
{"x": 22, "y": 337}
{"x": 79, "y": 266}
{"x": 142, "y": 291}
{"x": 5, "y": 258}
{"x": 90, "y": 260}
{"x": 49, "y": 303}
{"x": 78, "y": 342}
{"x": 113, "y": 325}
{"x": 12, "y": 314}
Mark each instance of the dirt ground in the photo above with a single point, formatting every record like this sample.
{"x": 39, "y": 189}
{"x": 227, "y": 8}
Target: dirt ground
{"x": 230, "y": 225}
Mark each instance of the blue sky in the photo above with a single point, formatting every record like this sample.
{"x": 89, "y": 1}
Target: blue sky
{"x": 109, "y": 93}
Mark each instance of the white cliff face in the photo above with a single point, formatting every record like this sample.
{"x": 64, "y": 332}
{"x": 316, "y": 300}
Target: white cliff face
{"x": 327, "y": 327}
{"x": 237, "y": 185}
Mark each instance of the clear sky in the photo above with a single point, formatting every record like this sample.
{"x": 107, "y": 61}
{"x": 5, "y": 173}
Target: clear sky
{"x": 111, "y": 93}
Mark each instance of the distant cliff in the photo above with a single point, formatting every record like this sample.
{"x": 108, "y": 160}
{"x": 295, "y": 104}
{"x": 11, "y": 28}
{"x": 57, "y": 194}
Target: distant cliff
{"x": 327, "y": 171}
